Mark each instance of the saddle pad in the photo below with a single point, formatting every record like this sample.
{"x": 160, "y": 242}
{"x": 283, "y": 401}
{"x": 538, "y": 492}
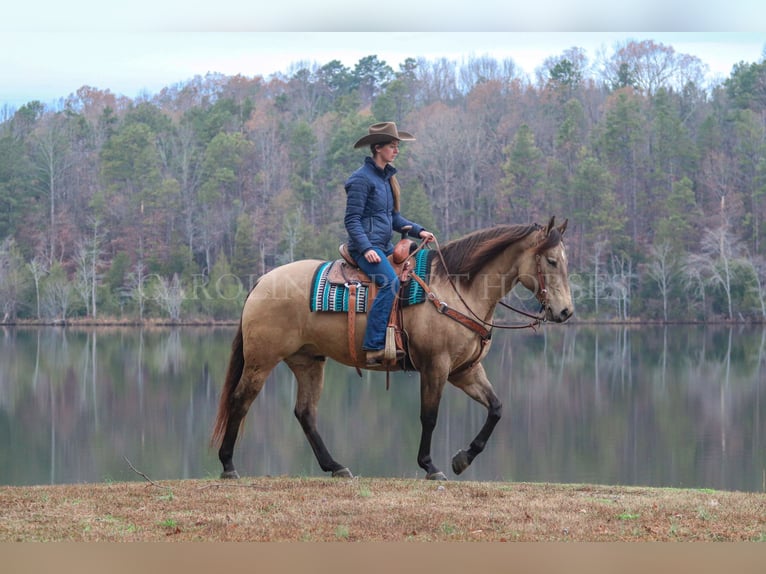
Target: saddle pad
{"x": 329, "y": 296}
{"x": 414, "y": 294}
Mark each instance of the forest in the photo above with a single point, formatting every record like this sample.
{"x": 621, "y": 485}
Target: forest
{"x": 170, "y": 205}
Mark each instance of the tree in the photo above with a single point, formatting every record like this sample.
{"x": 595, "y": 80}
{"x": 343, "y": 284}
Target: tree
{"x": 131, "y": 176}
{"x": 746, "y": 86}
{"x": 57, "y": 294}
{"x": 245, "y": 259}
{"x": 598, "y": 212}
{"x": 137, "y": 288}
{"x": 52, "y": 159}
{"x": 370, "y": 76}
{"x": 38, "y": 268}
{"x": 170, "y": 295}
{"x": 718, "y": 261}
{"x": 679, "y": 218}
{"x": 220, "y": 193}
{"x": 648, "y": 66}
{"x": 11, "y": 279}
{"x": 757, "y": 267}
{"x": 303, "y": 156}
{"x": 87, "y": 276}
{"x": 620, "y": 143}
{"x": 15, "y": 181}
{"x": 661, "y": 268}
{"x": 523, "y": 173}
{"x": 564, "y": 74}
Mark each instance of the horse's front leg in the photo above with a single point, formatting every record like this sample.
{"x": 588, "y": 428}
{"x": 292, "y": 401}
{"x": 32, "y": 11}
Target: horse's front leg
{"x": 476, "y": 385}
{"x": 431, "y": 387}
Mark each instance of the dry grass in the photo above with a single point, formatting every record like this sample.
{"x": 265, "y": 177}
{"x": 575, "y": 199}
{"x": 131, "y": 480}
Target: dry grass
{"x": 316, "y": 509}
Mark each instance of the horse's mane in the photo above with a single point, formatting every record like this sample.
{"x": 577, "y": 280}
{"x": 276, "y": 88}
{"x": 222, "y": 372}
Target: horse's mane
{"x": 467, "y": 255}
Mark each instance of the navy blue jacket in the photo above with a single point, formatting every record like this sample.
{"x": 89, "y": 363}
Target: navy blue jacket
{"x": 370, "y": 217}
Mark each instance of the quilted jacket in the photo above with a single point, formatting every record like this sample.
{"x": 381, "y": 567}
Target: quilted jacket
{"x": 370, "y": 217}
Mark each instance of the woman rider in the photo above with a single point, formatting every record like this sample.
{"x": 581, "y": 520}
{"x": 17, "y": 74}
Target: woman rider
{"x": 372, "y": 214}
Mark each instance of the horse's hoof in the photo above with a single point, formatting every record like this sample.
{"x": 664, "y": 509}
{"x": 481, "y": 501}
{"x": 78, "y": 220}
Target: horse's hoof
{"x": 460, "y": 461}
{"x": 438, "y": 475}
{"x": 229, "y": 474}
{"x": 342, "y": 473}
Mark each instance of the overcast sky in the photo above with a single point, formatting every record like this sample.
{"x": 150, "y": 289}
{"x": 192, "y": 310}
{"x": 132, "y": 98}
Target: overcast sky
{"x": 48, "y": 52}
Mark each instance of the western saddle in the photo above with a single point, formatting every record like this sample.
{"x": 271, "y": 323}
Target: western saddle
{"x": 348, "y": 273}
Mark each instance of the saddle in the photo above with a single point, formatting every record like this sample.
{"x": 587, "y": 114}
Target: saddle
{"x": 345, "y": 271}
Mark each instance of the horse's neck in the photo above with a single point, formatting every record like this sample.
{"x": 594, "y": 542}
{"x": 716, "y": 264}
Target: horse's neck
{"x": 493, "y": 282}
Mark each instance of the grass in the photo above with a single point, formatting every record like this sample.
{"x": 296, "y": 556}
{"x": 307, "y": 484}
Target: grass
{"x": 368, "y": 509}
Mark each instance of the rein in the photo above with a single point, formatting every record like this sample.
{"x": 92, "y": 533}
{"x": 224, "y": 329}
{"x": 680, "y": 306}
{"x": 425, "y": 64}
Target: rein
{"x": 542, "y": 297}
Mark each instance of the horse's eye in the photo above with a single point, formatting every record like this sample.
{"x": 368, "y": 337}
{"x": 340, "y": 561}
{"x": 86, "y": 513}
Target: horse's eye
{"x": 552, "y": 262}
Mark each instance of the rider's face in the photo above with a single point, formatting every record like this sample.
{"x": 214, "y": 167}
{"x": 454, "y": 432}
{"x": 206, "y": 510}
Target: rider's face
{"x": 388, "y": 152}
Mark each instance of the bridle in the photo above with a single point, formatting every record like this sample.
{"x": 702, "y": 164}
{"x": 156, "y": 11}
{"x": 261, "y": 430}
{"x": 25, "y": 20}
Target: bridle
{"x": 541, "y": 295}
{"x": 475, "y": 323}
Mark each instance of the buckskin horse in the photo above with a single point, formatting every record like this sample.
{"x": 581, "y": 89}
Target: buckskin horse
{"x": 446, "y": 339}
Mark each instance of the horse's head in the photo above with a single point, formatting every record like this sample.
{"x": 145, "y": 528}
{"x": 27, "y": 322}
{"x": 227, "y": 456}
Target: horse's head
{"x": 545, "y": 273}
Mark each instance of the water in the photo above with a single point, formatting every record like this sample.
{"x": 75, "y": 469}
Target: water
{"x": 677, "y": 406}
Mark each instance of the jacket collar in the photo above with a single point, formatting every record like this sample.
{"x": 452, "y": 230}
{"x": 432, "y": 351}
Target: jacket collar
{"x": 384, "y": 173}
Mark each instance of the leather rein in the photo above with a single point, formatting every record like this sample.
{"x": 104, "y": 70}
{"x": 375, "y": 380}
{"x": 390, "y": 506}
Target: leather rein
{"x": 477, "y": 324}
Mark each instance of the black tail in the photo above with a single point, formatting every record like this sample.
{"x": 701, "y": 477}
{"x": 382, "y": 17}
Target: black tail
{"x": 233, "y": 374}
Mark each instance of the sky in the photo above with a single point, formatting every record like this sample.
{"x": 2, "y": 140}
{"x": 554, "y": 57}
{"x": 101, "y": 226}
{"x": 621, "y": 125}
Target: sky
{"x": 50, "y": 49}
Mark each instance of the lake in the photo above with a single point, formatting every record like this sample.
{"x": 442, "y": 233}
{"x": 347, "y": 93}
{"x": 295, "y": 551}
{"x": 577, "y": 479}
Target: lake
{"x": 670, "y": 406}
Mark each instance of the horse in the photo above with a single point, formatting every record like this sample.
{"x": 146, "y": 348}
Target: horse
{"x": 446, "y": 343}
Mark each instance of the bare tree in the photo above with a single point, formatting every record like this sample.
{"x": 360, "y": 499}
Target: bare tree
{"x": 38, "y": 268}
{"x": 716, "y": 262}
{"x": 649, "y": 66}
{"x": 661, "y": 269}
{"x": 136, "y": 287}
{"x": 621, "y": 282}
{"x": 170, "y": 296}
{"x": 57, "y": 295}
{"x": 52, "y": 160}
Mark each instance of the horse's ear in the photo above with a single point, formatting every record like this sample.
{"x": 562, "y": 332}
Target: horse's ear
{"x": 563, "y": 226}
{"x": 551, "y": 223}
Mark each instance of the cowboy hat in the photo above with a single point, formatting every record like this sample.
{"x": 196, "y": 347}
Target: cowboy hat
{"x": 383, "y": 132}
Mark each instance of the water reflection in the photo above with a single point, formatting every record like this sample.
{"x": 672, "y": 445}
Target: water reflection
{"x": 663, "y": 406}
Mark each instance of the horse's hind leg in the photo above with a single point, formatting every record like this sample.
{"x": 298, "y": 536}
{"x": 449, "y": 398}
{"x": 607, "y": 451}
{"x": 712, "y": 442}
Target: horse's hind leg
{"x": 309, "y": 374}
{"x": 250, "y": 384}
{"x": 476, "y": 385}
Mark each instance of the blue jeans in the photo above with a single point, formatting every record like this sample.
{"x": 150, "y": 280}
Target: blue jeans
{"x": 388, "y": 288}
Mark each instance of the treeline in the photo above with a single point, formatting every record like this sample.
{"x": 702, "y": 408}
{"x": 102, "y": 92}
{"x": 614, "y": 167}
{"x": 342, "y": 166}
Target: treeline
{"x": 170, "y": 205}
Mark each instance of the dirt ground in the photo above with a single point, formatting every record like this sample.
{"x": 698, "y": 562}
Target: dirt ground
{"x": 366, "y": 509}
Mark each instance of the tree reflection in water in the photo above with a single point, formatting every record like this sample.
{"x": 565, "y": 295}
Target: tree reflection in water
{"x": 646, "y": 405}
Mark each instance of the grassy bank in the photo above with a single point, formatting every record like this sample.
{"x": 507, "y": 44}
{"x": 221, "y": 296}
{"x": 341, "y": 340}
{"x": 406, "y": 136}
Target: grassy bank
{"x": 362, "y": 509}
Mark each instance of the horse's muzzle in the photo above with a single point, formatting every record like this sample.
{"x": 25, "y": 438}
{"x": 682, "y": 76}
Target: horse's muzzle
{"x": 561, "y": 316}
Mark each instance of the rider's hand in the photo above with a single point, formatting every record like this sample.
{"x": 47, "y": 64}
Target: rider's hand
{"x": 372, "y": 256}
{"x": 427, "y": 236}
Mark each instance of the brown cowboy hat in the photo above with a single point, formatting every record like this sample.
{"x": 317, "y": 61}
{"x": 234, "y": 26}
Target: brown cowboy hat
{"x": 383, "y": 132}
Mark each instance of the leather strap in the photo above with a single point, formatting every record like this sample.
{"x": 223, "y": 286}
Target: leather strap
{"x": 352, "y": 292}
{"x": 454, "y": 314}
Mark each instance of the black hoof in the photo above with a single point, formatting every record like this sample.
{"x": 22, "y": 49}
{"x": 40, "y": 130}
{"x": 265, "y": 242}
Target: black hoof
{"x": 460, "y": 461}
{"x": 342, "y": 473}
{"x": 229, "y": 474}
{"x": 438, "y": 475}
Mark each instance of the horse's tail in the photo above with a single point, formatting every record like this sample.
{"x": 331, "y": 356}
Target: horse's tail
{"x": 233, "y": 374}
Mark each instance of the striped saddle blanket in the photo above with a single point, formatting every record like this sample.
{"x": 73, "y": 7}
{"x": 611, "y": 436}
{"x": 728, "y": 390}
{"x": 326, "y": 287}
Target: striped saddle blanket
{"x": 327, "y": 295}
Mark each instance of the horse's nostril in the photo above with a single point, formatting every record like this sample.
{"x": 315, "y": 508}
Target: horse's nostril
{"x": 566, "y": 313}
